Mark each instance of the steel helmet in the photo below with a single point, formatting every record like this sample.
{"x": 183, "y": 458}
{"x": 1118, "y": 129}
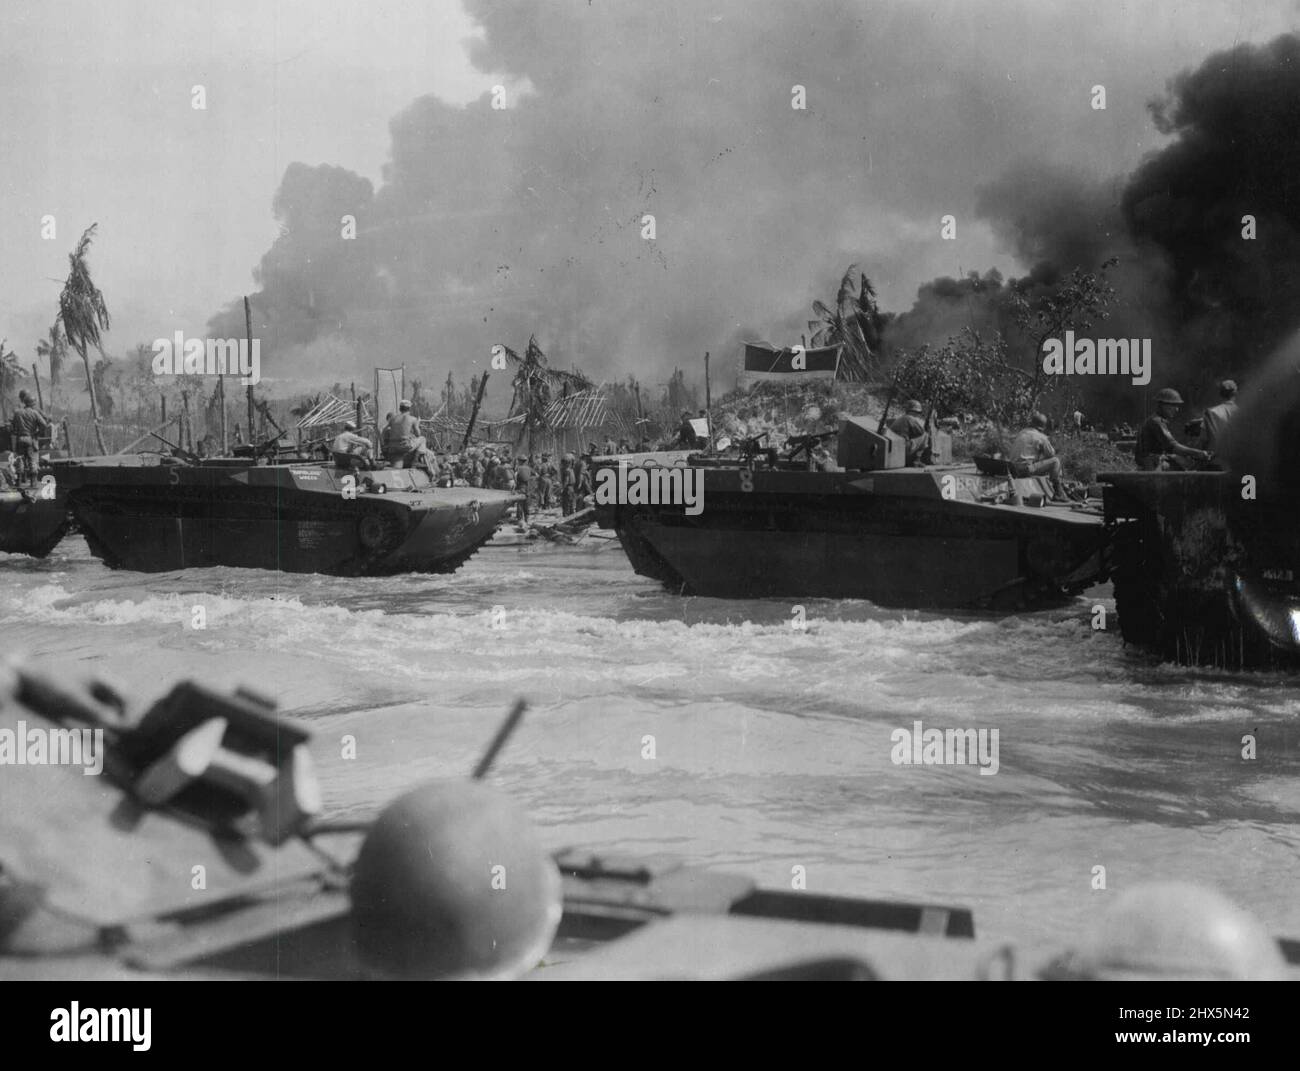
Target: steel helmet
{"x": 1037, "y": 419}
{"x": 915, "y": 407}
{"x": 426, "y": 902}
{"x": 1168, "y": 395}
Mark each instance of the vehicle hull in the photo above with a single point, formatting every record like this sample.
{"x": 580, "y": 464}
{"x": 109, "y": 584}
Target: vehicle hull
{"x": 30, "y": 524}
{"x": 290, "y": 518}
{"x": 1202, "y": 575}
{"x": 890, "y": 537}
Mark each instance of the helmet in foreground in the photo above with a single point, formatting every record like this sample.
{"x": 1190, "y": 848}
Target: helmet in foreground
{"x": 451, "y": 882}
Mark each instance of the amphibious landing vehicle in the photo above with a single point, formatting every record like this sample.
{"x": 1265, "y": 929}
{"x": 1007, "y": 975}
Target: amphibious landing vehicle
{"x": 32, "y": 519}
{"x": 1207, "y": 564}
{"x": 1203, "y": 576}
{"x": 940, "y": 537}
{"x": 97, "y": 877}
{"x": 152, "y": 513}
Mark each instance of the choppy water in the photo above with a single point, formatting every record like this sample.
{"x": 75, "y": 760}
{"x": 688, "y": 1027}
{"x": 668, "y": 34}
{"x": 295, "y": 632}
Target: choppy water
{"x": 773, "y": 746}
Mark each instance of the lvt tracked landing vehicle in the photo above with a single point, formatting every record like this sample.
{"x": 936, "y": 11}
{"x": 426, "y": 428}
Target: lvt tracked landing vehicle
{"x": 940, "y": 537}
{"x": 150, "y": 514}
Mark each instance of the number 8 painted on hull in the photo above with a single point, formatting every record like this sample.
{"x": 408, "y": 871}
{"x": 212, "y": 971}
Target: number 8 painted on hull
{"x": 746, "y": 480}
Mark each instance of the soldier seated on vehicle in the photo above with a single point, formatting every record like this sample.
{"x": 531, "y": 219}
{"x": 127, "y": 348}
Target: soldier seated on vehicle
{"x": 402, "y": 439}
{"x": 350, "y": 450}
{"x": 1156, "y": 448}
{"x": 1216, "y": 420}
{"x": 1035, "y": 450}
{"x": 912, "y": 428}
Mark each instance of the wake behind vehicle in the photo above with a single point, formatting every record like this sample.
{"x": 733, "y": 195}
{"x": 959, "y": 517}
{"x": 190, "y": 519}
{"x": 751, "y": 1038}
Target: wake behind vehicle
{"x": 155, "y": 513}
{"x": 940, "y": 537}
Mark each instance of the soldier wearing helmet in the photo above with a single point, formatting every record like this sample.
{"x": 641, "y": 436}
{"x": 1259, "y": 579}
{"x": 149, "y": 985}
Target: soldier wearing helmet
{"x": 912, "y": 428}
{"x": 1156, "y": 446}
{"x": 28, "y": 425}
{"x": 1034, "y": 448}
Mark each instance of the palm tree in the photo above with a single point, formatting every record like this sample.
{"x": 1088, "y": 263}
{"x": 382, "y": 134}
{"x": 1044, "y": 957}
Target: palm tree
{"x": 84, "y": 315}
{"x": 55, "y": 349}
{"x": 855, "y": 323}
{"x": 535, "y": 383}
{"x": 10, "y": 373}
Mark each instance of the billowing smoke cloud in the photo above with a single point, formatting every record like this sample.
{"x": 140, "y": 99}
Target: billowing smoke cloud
{"x": 1214, "y": 301}
{"x": 1236, "y": 154}
{"x": 490, "y": 225}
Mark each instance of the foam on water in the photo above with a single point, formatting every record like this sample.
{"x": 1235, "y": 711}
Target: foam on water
{"x": 772, "y": 746}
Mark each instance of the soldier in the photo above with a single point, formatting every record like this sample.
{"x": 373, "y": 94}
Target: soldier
{"x": 8, "y": 478}
{"x": 524, "y": 485}
{"x": 1216, "y": 421}
{"x": 402, "y": 438}
{"x": 350, "y": 450}
{"x": 912, "y": 428}
{"x": 28, "y": 425}
{"x": 686, "y": 433}
{"x": 582, "y": 479}
{"x": 1034, "y": 448}
{"x": 1156, "y": 446}
{"x": 822, "y": 460}
{"x": 568, "y": 486}
{"x": 545, "y": 481}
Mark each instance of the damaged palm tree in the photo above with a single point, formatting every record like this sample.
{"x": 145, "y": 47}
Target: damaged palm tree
{"x": 83, "y": 314}
{"x": 536, "y": 386}
{"x": 854, "y": 323}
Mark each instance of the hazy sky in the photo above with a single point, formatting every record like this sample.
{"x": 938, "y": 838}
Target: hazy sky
{"x": 98, "y": 126}
{"x": 682, "y": 106}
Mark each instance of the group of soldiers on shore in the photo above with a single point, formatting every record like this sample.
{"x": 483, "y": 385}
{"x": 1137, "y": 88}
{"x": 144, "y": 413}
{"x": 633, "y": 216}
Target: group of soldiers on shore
{"x": 544, "y": 480}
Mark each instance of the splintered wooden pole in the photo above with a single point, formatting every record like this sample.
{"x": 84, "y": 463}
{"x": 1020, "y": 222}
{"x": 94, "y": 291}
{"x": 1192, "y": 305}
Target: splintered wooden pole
{"x": 40, "y": 398}
{"x": 248, "y": 333}
{"x": 708, "y": 401}
{"x": 221, "y": 393}
{"x": 186, "y": 432}
{"x": 473, "y": 416}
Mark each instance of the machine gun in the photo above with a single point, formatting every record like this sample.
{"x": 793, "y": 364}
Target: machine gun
{"x": 751, "y": 449}
{"x": 804, "y": 445}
